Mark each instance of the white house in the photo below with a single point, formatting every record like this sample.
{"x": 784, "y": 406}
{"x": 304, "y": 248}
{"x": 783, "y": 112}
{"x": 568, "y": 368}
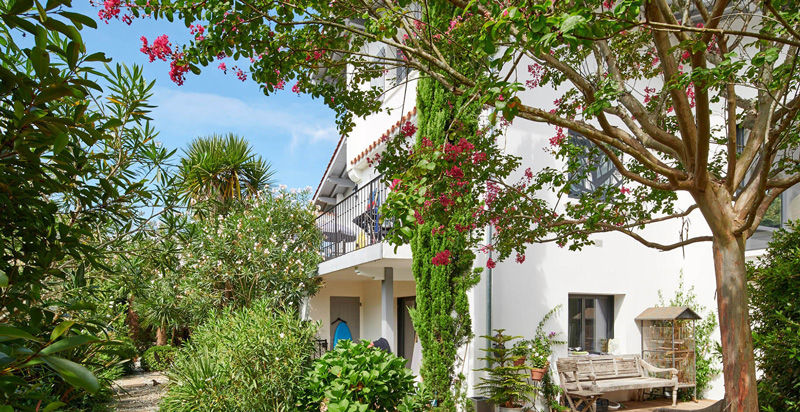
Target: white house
{"x": 368, "y": 283}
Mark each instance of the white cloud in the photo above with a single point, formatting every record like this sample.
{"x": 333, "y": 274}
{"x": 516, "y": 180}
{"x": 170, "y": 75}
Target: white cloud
{"x": 185, "y": 115}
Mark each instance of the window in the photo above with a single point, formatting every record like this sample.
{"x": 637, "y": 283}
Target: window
{"x": 379, "y": 82}
{"x": 402, "y": 71}
{"x": 591, "y": 323}
{"x": 599, "y": 169}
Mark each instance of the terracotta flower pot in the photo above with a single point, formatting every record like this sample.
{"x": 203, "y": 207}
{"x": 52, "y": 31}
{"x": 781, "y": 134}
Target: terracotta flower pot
{"x": 537, "y": 374}
{"x": 520, "y": 361}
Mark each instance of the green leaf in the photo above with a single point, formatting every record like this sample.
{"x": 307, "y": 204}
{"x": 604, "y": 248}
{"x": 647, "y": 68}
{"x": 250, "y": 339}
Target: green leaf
{"x": 75, "y": 374}
{"x": 79, "y": 18}
{"x": 52, "y": 93}
{"x": 40, "y": 60}
{"x": 11, "y": 333}
{"x": 571, "y": 22}
{"x": 3, "y": 279}
{"x": 68, "y": 343}
{"x": 60, "y": 142}
{"x": 52, "y": 406}
{"x": 20, "y": 6}
{"x": 6, "y": 408}
{"x": 61, "y": 328}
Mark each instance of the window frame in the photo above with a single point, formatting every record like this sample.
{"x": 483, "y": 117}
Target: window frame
{"x": 609, "y": 332}
{"x": 615, "y": 177}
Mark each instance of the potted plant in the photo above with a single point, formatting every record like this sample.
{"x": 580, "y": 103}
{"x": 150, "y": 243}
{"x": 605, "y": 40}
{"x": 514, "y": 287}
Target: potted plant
{"x": 540, "y": 348}
{"x": 520, "y": 351}
{"x": 539, "y": 359}
{"x": 506, "y": 384}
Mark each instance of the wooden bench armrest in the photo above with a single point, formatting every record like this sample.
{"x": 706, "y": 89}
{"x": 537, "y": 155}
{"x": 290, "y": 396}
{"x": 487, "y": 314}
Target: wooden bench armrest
{"x": 652, "y": 369}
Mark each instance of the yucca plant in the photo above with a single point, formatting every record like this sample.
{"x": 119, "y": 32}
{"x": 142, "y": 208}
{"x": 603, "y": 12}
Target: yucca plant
{"x": 216, "y": 169}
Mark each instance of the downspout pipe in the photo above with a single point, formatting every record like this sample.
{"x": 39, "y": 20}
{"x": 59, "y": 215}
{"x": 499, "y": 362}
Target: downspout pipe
{"x": 489, "y": 289}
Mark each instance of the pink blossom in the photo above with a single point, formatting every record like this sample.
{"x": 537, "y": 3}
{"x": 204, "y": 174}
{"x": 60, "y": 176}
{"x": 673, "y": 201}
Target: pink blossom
{"x": 241, "y": 75}
{"x": 408, "y": 129}
{"x": 491, "y": 264}
{"x": 455, "y": 173}
{"x": 624, "y": 190}
{"x": 159, "y": 50}
{"x": 442, "y": 258}
{"x": 395, "y": 184}
{"x": 222, "y": 66}
{"x": 178, "y": 71}
{"x": 520, "y": 258}
{"x": 111, "y": 9}
{"x": 296, "y": 88}
{"x": 559, "y": 137}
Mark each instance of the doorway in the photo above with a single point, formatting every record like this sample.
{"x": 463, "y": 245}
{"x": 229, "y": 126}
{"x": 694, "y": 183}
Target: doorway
{"x": 347, "y": 309}
{"x": 405, "y": 328}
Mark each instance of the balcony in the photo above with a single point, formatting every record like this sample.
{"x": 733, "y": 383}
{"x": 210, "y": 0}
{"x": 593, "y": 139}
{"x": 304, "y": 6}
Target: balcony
{"x": 355, "y": 222}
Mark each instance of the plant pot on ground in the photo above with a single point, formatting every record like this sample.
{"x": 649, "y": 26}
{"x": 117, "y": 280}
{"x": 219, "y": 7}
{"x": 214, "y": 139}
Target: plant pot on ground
{"x": 506, "y": 384}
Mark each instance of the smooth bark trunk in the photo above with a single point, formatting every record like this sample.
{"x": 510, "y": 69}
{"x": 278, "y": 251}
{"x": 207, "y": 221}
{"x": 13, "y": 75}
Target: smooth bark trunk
{"x": 738, "y": 361}
{"x": 161, "y": 337}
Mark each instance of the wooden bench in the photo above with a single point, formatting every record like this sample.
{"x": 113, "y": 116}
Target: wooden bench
{"x": 580, "y": 375}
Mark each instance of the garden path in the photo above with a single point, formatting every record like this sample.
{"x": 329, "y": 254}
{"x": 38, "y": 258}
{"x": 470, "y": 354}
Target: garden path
{"x": 139, "y": 392}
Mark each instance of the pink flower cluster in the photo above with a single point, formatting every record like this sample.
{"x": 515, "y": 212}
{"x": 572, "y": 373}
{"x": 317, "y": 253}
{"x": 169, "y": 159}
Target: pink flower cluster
{"x": 537, "y": 72}
{"x": 161, "y": 48}
{"x": 177, "y": 71}
{"x": 110, "y": 10}
{"x": 442, "y": 258}
{"x": 198, "y": 31}
{"x": 408, "y": 129}
{"x": 559, "y": 137}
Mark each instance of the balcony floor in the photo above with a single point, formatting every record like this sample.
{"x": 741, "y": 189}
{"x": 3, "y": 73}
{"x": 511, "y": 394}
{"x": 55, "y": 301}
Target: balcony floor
{"x": 651, "y": 405}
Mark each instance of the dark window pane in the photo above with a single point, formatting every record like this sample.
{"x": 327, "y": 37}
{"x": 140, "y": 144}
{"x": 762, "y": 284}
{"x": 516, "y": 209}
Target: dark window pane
{"x": 574, "y": 335}
{"x": 591, "y": 323}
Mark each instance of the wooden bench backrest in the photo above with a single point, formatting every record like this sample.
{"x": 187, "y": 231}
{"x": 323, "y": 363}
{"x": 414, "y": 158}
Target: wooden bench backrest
{"x": 603, "y": 367}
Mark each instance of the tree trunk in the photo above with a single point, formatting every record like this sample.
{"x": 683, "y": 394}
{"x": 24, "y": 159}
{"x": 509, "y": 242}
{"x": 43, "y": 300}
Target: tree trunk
{"x": 161, "y": 337}
{"x": 738, "y": 362}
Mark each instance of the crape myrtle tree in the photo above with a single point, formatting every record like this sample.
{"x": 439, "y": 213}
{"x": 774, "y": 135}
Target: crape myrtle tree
{"x": 638, "y": 82}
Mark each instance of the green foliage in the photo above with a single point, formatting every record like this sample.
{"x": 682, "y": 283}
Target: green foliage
{"x": 356, "y": 378}
{"x": 217, "y": 169}
{"x": 442, "y": 260}
{"x": 159, "y": 358}
{"x": 266, "y": 246}
{"x": 243, "y": 360}
{"x": 775, "y": 310}
{"x": 80, "y": 173}
{"x": 419, "y": 400}
{"x": 707, "y": 358}
{"x": 539, "y": 349}
{"x": 506, "y": 383}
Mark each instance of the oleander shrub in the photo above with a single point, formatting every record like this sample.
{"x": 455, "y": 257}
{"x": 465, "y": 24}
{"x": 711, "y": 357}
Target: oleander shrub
{"x": 356, "y": 378}
{"x": 159, "y": 358}
{"x": 243, "y": 360}
{"x": 775, "y": 316}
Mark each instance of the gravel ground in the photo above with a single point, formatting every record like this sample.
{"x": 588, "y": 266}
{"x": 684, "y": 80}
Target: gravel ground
{"x": 139, "y": 392}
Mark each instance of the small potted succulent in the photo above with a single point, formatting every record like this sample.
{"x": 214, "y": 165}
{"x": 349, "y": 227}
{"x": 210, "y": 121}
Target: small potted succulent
{"x": 506, "y": 383}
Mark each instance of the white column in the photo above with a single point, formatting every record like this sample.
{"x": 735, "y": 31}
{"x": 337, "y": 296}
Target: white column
{"x": 387, "y": 308}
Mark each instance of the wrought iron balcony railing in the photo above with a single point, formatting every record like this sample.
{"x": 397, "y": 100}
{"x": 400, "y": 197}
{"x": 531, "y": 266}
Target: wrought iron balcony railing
{"x": 355, "y": 222}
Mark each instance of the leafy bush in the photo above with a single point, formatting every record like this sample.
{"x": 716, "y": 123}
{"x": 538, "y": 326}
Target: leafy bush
{"x": 159, "y": 358}
{"x": 250, "y": 359}
{"x": 775, "y": 310}
{"x": 356, "y": 378}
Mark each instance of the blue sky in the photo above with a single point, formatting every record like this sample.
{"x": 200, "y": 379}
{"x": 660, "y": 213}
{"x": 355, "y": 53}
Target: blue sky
{"x": 295, "y": 133}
